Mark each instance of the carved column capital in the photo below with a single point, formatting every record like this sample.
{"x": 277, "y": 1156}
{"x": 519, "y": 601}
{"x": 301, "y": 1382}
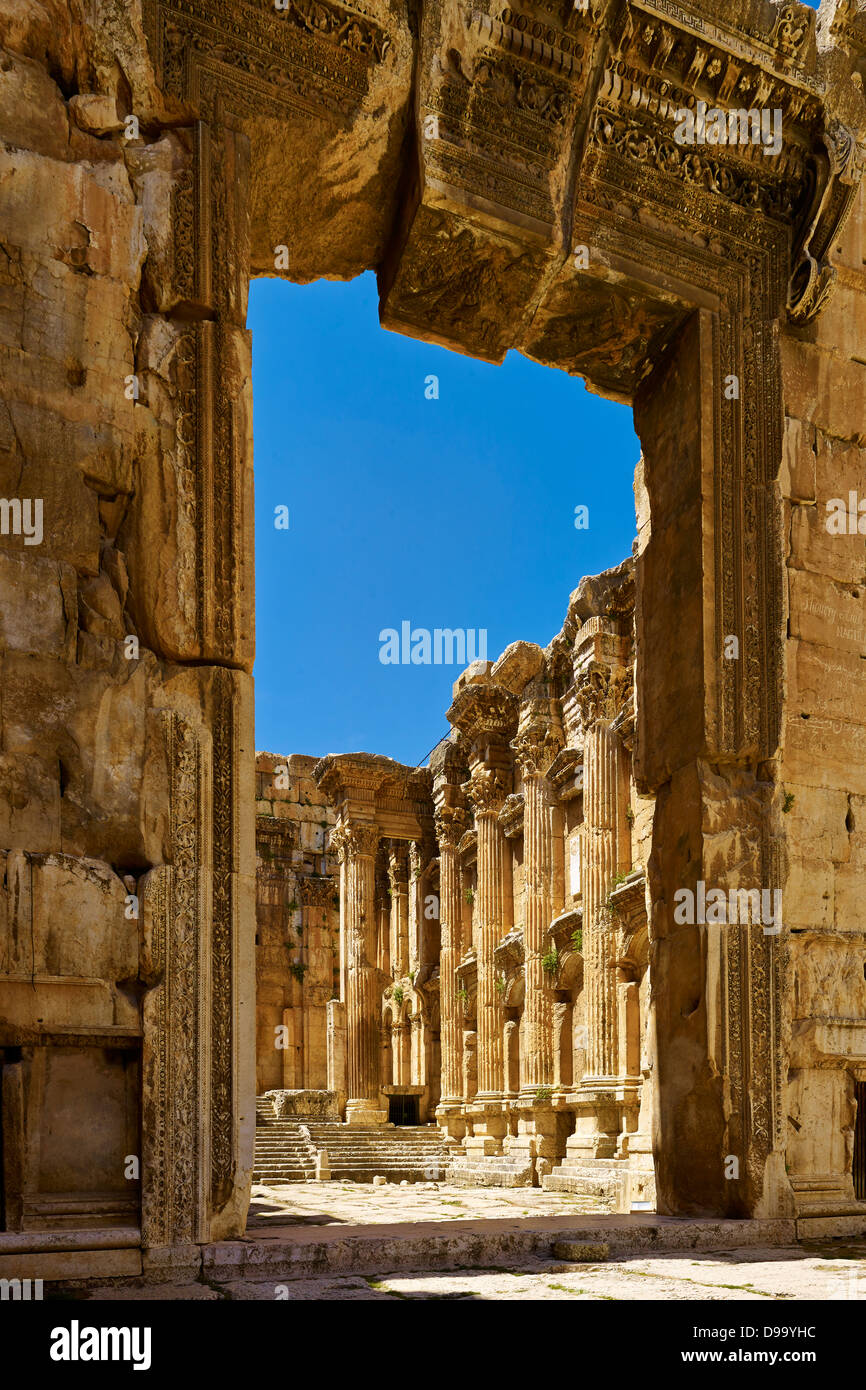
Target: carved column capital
{"x": 398, "y": 864}
{"x": 316, "y": 892}
{"x": 486, "y": 790}
{"x": 450, "y": 823}
{"x": 539, "y": 740}
{"x": 480, "y": 711}
{"x": 354, "y": 839}
{"x": 602, "y": 692}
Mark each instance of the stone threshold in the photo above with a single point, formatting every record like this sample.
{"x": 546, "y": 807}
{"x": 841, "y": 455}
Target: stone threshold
{"x": 306, "y": 1252}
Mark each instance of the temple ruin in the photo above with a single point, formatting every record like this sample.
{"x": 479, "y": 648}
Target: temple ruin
{"x": 696, "y": 732}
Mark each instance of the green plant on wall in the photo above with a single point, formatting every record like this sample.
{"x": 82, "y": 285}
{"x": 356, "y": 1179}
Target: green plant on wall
{"x": 470, "y": 896}
{"x": 462, "y": 995}
{"x": 397, "y": 994}
{"x": 577, "y": 939}
{"x": 500, "y": 984}
{"x": 550, "y": 962}
{"x": 298, "y": 970}
{"x": 544, "y": 1093}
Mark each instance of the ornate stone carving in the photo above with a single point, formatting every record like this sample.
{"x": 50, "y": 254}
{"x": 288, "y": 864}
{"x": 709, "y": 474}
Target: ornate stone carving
{"x": 538, "y": 741}
{"x": 176, "y": 951}
{"x": 316, "y": 892}
{"x": 484, "y": 709}
{"x": 485, "y": 790}
{"x": 602, "y": 692}
{"x": 352, "y": 840}
{"x": 450, "y": 824}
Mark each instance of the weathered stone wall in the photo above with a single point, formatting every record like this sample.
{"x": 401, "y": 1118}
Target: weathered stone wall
{"x": 126, "y": 767}
{"x": 822, "y": 783}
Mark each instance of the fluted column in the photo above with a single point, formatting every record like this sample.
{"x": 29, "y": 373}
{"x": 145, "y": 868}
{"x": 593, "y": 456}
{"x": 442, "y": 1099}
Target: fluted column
{"x": 356, "y": 844}
{"x": 398, "y": 877}
{"x": 450, "y": 825}
{"x": 486, "y": 790}
{"x": 606, "y": 853}
{"x": 538, "y": 741}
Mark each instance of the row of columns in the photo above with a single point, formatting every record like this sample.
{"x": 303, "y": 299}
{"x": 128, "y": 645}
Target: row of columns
{"x": 499, "y": 728}
{"x": 496, "y": 726}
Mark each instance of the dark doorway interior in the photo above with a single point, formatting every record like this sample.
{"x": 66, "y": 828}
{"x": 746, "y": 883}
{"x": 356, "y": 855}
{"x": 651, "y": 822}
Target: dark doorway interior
{"x": 403, "y": 1110}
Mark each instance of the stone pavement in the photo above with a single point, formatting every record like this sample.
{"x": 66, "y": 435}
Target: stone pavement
{"x": 361, "y": 1204}
{"x": 751, "y": 1270}
{"x": 752, "y": 1275}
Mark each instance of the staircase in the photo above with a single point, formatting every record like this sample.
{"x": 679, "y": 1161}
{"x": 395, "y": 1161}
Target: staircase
{"x": 286, "y": 1150}
{"x": 283, "y": 1151}
{"x": 396, "y": 1152}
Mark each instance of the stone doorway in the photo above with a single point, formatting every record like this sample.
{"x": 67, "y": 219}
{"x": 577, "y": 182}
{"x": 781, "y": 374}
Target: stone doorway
{"x": 513, "y": 178}
{"x": 402, "y": 1109}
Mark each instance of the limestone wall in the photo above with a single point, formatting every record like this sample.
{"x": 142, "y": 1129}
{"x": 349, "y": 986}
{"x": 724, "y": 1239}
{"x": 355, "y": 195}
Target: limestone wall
{"x": 822, "y": 764}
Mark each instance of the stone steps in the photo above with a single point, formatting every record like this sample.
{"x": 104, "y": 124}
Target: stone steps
{"x": 604, "y": 1180}
{"x": 286, "y": 1150}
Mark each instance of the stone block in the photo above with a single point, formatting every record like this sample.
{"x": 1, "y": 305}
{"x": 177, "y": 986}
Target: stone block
{"x": 827, "y": 612}
{"x": 822, "y": 387}
{"x": 814, "y": 548}
{"x": 95, "y": 113}
{"x": 797, "y": 478}
{"x": 580, "y": 1252}
{"x": 822, "y": 680}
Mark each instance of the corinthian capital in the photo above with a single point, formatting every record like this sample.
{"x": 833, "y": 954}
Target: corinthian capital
{"x": 352, "y": 839}
{"x": 317, "y": 892}
{"x": 485, "y": 790}
{"x": 398, "y": 865}
{"x": 602, "y": 692}
{"x": 450, "y": 824}
{"x": 482, "y": 710}
{"x": 539, "y": 740}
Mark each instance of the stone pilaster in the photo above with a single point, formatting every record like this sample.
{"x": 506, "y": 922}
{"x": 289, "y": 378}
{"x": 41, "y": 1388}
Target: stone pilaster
{"x": 538, "y": 741}
{"x": 356, "y": 843}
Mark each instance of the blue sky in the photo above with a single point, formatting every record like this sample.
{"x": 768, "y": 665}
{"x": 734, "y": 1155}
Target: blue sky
{"x": 449, "y": 513}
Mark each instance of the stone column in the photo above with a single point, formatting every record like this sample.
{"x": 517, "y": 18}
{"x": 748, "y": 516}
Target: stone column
{"x": 398, "y": 878}
{"x": 604, "y": 841}
{"x": 486, "y": 790}
{"x": 356, "y": 844}
{"x": 603, "y": 684}
{"x": 450, "y": 825}
{"x": 538, "y": 741}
